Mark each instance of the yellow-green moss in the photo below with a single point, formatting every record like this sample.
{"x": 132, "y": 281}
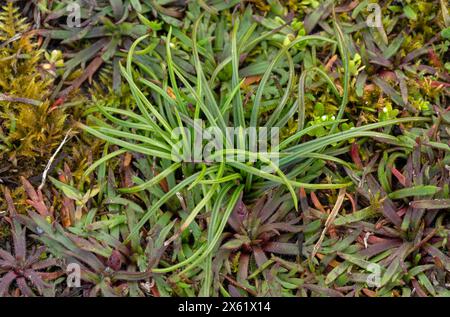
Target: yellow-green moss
{"x": 30, "y": 128}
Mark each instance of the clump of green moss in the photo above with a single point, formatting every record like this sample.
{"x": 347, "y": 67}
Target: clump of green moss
{"x": 31, "y": 125}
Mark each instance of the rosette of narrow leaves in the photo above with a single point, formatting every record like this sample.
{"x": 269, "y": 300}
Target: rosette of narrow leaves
{"x": 91, "y": 245}
{"x": 22, "y": 269}
{"x": 261, "y": 228}
{"x": 94, "y": 31}
{"x": 407, "y": 248}
{"x": 255, "y": 232}
{"x": 103, "y": 264}
{"x": 179, "y": 98}
{"x": 97, "y": 32}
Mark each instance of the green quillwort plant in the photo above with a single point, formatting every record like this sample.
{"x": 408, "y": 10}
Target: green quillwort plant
{"x": 174, "y": 102}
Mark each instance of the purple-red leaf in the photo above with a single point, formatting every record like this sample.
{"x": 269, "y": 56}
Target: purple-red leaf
{"x": 24, "y": 288}
{"x": 6, "y": 281}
